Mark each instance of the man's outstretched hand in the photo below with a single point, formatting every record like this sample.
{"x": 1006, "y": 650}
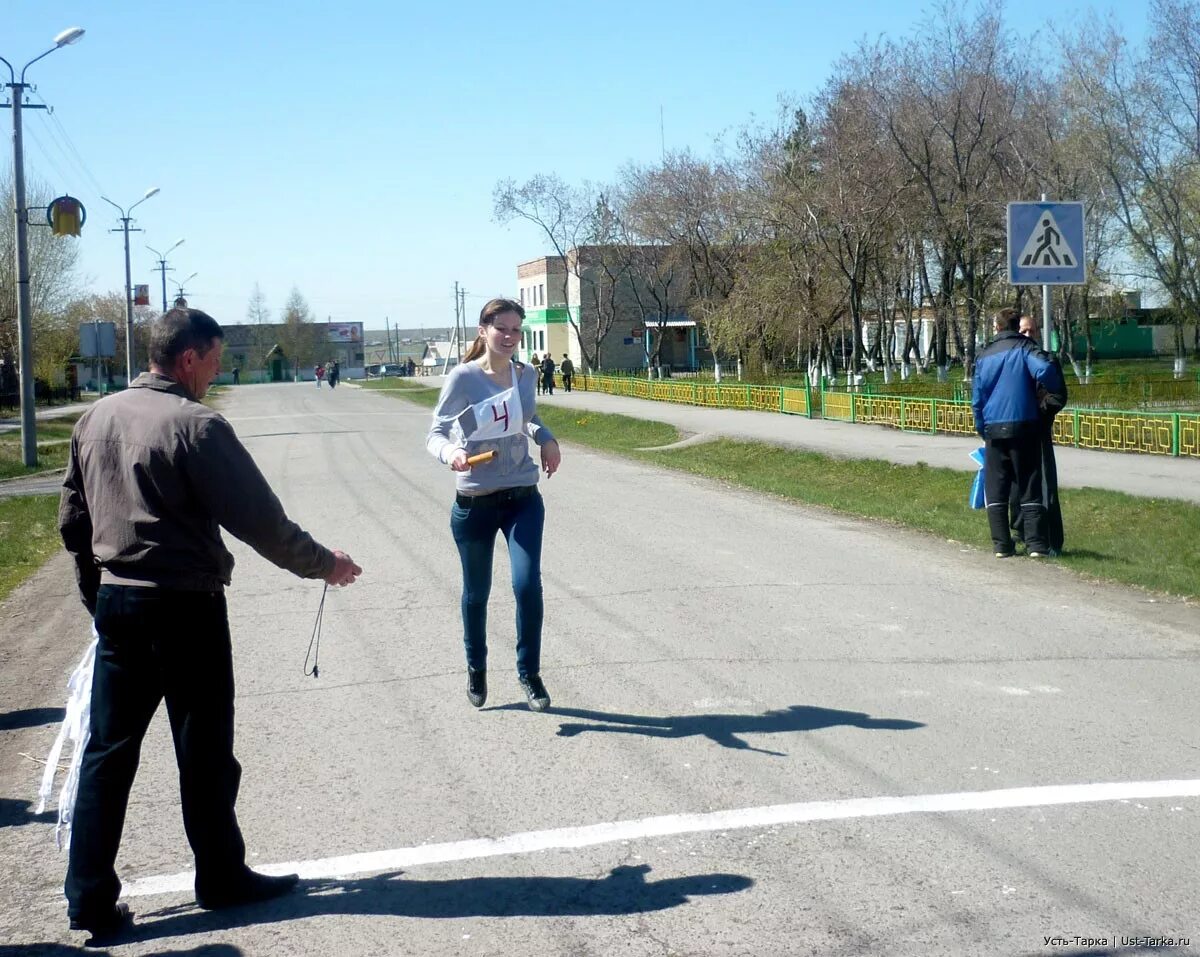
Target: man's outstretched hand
{"x": 345, "y": 571}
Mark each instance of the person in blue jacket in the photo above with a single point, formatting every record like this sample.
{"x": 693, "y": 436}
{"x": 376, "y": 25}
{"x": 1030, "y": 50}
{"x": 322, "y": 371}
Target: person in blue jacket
{"x": 1008, "y": 416}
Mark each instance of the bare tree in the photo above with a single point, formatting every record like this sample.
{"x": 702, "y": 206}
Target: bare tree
{"x": 857, "y": 187}
{"x": 950, "y": 106}
{"x": 697, "y": 209}
{"x": 1141, "y": 118}
{"x": 259, "y": 316}
{"x": 52, "y": 285}
{"x": 300, "y": 338}
{"x": 567, "y": 217}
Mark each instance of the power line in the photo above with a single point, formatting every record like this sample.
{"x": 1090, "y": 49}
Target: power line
{"x": 49, "y": 160}
{"x": 53, "y": 123}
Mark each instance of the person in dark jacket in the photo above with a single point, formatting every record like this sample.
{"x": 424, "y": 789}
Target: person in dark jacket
{"x": 1008, "y": 416}
{"x": 152, "y": 476}
{"x": 1049, "y": 408}
{"x": 548, "y": 375}
{"x": 568, "y": 371}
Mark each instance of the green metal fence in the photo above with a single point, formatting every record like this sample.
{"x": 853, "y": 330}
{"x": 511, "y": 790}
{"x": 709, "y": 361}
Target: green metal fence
{"x": 1155, "y": 433}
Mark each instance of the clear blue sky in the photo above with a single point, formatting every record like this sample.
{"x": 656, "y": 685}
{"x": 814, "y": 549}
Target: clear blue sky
{"x": 350, "y": 149}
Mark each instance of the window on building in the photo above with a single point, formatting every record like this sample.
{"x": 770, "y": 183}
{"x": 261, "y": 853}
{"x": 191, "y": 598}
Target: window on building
{"x": 522, "y": 295}
{"x": 542, "y": 340}
{"x": 542, "y": 294}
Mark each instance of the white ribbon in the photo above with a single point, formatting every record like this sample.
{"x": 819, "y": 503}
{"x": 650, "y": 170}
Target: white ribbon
{"x": 76, "y": 726}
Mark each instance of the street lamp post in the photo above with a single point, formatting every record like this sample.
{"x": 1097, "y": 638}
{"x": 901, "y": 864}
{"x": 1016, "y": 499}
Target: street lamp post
{"x": 179, "y": 290}
{"x": 24, "y": 308}
{"x": 163, "y": 267}
{"x": 125, "y": 219}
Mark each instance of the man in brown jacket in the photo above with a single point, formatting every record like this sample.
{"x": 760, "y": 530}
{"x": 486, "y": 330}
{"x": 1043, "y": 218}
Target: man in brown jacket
{"x": 153, "y": 475}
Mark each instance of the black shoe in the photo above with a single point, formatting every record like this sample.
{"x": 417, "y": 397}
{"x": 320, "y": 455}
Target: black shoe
{"x": 477, "y": 686}
{"x": 104, "y": 926}
{"x": 535, "y": 691}
{"x": 251, "y": 888}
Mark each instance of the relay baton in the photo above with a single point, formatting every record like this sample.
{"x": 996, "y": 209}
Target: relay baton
{"x": 482, "y": 457}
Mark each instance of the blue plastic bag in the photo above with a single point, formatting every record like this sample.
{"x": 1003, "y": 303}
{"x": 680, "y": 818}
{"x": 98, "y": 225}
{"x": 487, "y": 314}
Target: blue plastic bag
{"x": 978, "y": 498}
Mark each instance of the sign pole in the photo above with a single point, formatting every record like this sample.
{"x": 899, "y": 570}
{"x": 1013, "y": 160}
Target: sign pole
{"x": 1045, "y": 310}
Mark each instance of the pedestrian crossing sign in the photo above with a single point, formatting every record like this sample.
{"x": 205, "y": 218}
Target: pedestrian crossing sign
{"x": 1045, "y": 244}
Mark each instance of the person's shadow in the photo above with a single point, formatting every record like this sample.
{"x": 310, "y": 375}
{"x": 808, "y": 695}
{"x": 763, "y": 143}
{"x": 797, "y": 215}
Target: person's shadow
{"x": 15, "y": 812}
{"x": 31, "y": 718}
{"x": 624, "y": 890}
{"x": 723, "y": 729}
{"x": 65, "y": 950}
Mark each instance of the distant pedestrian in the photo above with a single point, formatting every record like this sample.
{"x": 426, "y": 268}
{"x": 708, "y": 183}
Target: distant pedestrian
{"x": 568, "y": 371}
{"x": 1008, "y": 416}
{"x": 334, "y": 372}
{"x": 319, "y": 374}
{"x": 548, "y": 375}
{"x": 487, "y": 405}
{"x": 536, "y": 363}
{"x": 1049, "y": 408}
{"x": 237, "y": 375}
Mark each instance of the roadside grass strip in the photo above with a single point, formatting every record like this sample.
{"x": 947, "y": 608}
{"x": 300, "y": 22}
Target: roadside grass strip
{"x": 398, "y": 384}
{"x": 1150, "y": 543}
{"x": 28, "y": 537}
{"x": 349, "y": 865}
{"x": 54, "y": 443}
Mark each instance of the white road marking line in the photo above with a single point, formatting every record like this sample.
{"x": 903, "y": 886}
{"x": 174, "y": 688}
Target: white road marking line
{"x": 752, "y": 817}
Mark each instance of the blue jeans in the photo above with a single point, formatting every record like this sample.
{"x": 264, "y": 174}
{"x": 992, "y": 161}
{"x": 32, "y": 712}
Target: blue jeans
{"x": 474, "y": 532}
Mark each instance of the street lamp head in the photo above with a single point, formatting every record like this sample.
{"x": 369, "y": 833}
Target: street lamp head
{"x": 150, "y": 192}
{"x": 68, "y": 36}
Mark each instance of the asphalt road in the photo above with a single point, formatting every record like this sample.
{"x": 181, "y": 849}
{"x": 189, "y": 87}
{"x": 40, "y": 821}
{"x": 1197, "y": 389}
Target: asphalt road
{"x": 739, "y": 685}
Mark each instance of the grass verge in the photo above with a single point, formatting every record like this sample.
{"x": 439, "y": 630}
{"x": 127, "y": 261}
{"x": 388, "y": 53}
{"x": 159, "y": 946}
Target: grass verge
{"x": 54, "y": 443}
{"x": 28, "y": 536}
{"x": 1147, "y": 542}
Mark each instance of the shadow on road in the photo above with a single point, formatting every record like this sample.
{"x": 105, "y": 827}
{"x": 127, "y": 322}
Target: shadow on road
{"x": 723, "y": 729}
{"x": 14, "y": 813}
{"x": 624, "y": 891}
{"x": 64, "y": 950}
{"x": 31, "y": 718}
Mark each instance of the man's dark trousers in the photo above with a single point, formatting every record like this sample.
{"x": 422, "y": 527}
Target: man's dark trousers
{"x": 1054, "y": 521}
{"x": 157, "y": 643}
{"x": 1010, "y": 462}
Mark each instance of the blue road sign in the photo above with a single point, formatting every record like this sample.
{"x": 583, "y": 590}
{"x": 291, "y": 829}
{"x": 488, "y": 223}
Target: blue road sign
{"x": 1045, "y": 244}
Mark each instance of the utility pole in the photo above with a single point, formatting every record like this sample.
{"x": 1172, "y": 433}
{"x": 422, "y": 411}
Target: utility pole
{"x": 125, "y": 219}
{"x": 457, "y": 321}
{"x": 1047, "y": 304}
{"x": 462, "y": 298}
{"x": 181, "y": 293}
{"x": 164, "y": 269}
{"x": 24, "y": 306}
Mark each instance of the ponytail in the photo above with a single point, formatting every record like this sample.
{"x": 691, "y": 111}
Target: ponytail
{"x": 477, "y": 348}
